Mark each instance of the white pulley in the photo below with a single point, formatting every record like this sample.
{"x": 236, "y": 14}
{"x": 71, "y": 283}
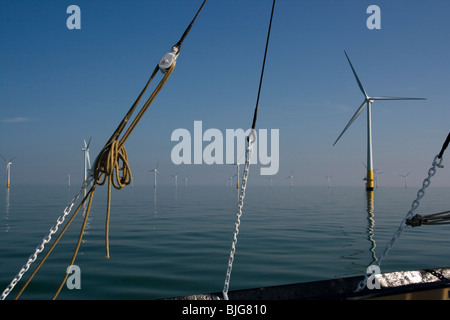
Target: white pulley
{"x": 167, "y": 60}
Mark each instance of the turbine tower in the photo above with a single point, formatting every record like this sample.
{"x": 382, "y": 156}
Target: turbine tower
{"x": 376, "y": 177}
{"x": 8, "y": 171}
{"x": 291, "y": 177}
{"x": 367, "y": 101}
{"x": 237, "y": 174}
{"x": 406, "y": 177}
{"x": 87, "y": 161}
{"x": 176, "y": 180}
{"x": 328, "y": 180}
{"x": 155, "y": 171}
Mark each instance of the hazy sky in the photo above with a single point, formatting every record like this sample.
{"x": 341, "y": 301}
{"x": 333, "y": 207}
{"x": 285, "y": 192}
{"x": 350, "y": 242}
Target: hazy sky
{"x": 60, "y": 86}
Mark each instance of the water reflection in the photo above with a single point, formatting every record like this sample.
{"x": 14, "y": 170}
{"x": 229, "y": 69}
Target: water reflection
{"x": 370, "y": 225}
{"x": 7, "y": 211}
{"x": 155, "y": 208}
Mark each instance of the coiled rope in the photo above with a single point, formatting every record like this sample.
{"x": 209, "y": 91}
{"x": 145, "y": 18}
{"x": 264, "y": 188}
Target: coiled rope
{"x": 250, "y": 140}
{"x": 111, "y": 166}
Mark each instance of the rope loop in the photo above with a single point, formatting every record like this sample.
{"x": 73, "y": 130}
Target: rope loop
{"x": 113, "y": 162}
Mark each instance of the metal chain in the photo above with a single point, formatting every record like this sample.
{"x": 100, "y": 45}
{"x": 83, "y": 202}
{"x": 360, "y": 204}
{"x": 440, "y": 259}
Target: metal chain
{"x": 46, "y": 239}
{"x": 415, "y": 204}
{"x": 252, "y": 138}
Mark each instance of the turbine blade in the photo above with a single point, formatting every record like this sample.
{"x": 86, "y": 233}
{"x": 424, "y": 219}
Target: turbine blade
{"x": 360, "y": 109}
{"x": 395, "y": 98}
{"x": 356, "y": 77}
{"x": 3, "y": 158}
{"x": 89, "y": 142}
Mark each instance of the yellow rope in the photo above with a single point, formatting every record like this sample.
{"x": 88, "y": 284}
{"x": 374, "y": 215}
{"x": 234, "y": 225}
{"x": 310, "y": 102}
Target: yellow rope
{"x": 53, "y": 245}
{"x": 80, "y": 237}
{"x": 112, "y": 165}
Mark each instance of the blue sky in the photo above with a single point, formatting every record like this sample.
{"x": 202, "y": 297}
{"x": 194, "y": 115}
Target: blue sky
{"x": 60, "y": 86}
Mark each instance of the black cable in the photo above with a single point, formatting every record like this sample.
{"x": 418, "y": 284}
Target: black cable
{"x": 263, "y": 66}
{"x": 180, "y": 42}
{"x": 444, "y": 146}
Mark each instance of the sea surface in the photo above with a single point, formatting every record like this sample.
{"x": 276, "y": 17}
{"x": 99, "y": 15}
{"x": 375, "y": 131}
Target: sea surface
{"x": 169, "y": 242}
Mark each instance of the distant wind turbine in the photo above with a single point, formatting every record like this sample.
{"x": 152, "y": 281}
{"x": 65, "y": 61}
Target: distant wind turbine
{"x": 87, "y": 160}
{"x": 8, "y": 171}
{"x": 367, "y": 101}
{"x": 271, "y": 181}
{"x": 155, "y": 171}
{"x": 176, "y": 180}
{"x": 328, "y": 180}
{"x": 291, "y": 177}
{"x": 376, "y": 177}
{"x": 405, "y": 176}
{"x": 237, "y": 164}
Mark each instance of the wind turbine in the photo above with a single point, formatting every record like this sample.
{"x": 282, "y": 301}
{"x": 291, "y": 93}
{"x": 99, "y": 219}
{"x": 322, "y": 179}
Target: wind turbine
{"x": 8, "y": 171}
{"x": 237, "y": 173}
{"x": 405, "y": 176}
{"x": 87, "y": 161}
{"x": 376, "y": 177}
{"x": 328, "y": 180}
{"x": 155, "y": 170}
{"x": 271, "y": 182}
{"x": 176, "y": 180}
{"x": 367, "y": 101}
{"x": 291, "y": 177}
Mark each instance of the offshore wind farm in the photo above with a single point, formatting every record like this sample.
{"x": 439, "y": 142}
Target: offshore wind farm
{"x": 302, "y": 107}
{"x": 289, "y": 233}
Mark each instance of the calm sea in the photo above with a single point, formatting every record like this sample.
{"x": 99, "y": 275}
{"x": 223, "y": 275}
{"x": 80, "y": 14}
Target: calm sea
{"x": 171, "y": 242}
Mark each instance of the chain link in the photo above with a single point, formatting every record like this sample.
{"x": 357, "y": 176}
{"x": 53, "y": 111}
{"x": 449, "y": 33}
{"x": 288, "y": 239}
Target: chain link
{"x": 248, "y": 156}
{"x": 415, "y": 204}
{"x": 46, "y": 239}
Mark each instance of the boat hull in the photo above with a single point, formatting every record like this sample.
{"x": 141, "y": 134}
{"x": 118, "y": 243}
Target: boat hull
{"x": 426, "y": 284}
